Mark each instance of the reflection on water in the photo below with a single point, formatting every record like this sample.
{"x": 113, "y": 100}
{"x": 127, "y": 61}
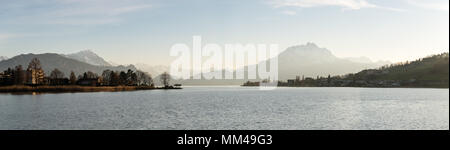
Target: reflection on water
{"x": 230, "y": 108}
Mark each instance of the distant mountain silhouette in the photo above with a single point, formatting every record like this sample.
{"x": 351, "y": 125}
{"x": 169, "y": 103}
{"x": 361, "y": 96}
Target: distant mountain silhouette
{"x": 359, "y": 59}
{"x": 153, "y": 70}
{"x": 311, "y": 60}
{"x": 308, "y": 60}
{"x": 3, "y": 58}
{"x": 367, "y": 61}
{"x": 92, "y": 58}
{"x": 51, "y": 61}
{"x": 89, "y": 57}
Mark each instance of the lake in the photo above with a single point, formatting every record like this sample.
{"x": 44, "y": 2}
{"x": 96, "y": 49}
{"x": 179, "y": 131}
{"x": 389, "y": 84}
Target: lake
{"x": 231, "y": 108}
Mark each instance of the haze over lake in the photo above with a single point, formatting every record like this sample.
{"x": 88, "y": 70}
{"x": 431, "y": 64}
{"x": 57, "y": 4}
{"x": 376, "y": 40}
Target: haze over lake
{"x": 231, "y": 108}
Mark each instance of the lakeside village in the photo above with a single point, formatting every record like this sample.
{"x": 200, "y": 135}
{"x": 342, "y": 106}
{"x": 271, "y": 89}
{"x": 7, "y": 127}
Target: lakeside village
{"x": 361, "y": 79}
{"x": 33, "y": 79}
{"x": 429, "y": 72}
{"x": 334, "y": 82}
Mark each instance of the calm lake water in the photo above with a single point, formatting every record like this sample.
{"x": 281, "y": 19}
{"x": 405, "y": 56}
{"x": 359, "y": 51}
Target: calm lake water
{"x": 231, "y": 108}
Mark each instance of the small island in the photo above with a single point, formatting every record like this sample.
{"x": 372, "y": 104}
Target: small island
{"x": 34, "y": 80}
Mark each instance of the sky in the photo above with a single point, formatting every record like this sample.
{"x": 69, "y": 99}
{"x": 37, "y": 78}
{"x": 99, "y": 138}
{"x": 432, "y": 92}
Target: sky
{"x": 143, "y": 31}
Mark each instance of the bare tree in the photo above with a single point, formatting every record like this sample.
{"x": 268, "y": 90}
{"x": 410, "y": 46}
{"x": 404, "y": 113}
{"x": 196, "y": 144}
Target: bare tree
{"x": 56, "y": 74}
{"x": 114, "y": 78}
{"x": 140, "y": 75}
{"x": 148, "y": 80}
{"x": 165, "y": 79}
{"x": 143, "y": 78}
{"x": 73, "y": 78}
{"x": 89, "y": 75}
{"x": 80, "y": 77}
{"x": 35, "y": 64}
{"x": 106, "y": 75}
{"x": 123, "y": 78}
{"x": 35, "y": 67}
{"x": 131, "y": 77}
{"x": 19, "y": 75}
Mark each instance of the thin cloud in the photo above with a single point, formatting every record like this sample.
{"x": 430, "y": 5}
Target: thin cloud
{"x": 344, "y": 4}
{"x": 83, "y": 21}
{"x": 99, "y": 10}
{"x": 391, "y": 9}
{"x": 76, "y": 12}
{"x": 440, "y": 5}
{"x": 4, "y": 36}
{"x": 288, "y": 12}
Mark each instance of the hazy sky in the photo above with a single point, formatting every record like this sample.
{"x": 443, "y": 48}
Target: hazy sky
{"x": 142, "y": 31}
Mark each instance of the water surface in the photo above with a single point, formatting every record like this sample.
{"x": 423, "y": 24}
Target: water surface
{"x": 231, "y": 108}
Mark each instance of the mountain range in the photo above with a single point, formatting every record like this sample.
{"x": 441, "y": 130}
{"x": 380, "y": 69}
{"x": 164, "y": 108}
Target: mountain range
{"x": 152, "y": 70}
{"x": 302, "y": 60}
{"x": 50, "y": 61}
{"x": 312, "y": 60}
{"x": 3, "y": 58}
{"x": 89, "y": 57}
{"x": 307, "y": 60}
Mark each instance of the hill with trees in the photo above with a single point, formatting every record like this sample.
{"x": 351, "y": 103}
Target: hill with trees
{"x": 66, "y": 65}
{"x": 429, "y": 71}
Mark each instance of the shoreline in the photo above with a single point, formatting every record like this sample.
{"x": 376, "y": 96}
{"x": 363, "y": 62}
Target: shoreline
{"x": 408, "y": 87}
{"x": 76, "y": 89}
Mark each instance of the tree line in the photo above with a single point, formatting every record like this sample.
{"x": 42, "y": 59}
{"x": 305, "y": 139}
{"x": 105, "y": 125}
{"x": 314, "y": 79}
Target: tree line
{"x": 34, "y": 75}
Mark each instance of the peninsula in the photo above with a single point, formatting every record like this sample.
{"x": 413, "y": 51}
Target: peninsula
{"x": 33, "y": 79}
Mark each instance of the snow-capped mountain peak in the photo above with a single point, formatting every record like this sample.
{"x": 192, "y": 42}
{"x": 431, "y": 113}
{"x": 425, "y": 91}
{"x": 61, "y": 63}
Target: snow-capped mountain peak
{"x": 89, "y": 57}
